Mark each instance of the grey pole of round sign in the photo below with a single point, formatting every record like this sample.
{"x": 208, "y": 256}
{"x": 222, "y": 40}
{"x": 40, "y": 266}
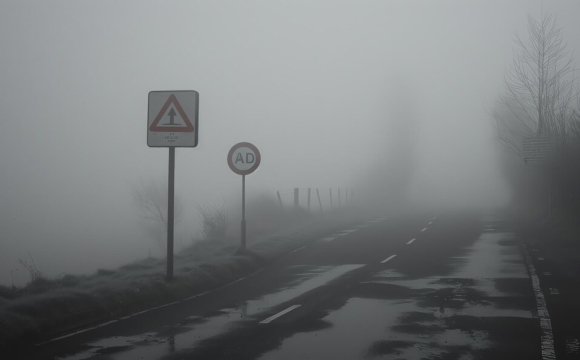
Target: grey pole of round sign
{"x": 244, "y": 158}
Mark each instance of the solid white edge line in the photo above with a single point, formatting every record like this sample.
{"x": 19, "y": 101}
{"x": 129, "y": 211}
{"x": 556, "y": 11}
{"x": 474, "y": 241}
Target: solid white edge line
{"x": 293, "y": 251}
{"x": 423, "y": 229}
{"x": 77, "y": 332}
{"x": 387, "y": 259}
{"x": 283, "y": 312}
{"x": 410, "y": 241}
{"x": 160, "y": 306}
{"x": 547, "y": 338}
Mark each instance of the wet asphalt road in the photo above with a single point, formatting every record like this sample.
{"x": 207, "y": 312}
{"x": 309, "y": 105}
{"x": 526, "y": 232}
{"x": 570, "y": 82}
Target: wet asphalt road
{"x": 427, "y": 286}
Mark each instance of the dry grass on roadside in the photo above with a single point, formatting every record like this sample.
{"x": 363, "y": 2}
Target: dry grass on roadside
{"x": 214, "y": 220}
{"x": 47, "y": 307}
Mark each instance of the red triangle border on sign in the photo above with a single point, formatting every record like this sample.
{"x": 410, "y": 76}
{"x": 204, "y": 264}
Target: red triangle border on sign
{"x": 156, "y": 128}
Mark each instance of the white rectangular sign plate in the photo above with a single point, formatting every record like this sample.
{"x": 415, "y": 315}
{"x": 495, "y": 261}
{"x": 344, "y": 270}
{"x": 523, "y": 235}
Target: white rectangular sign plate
{"x": 172, "y": 118}
{"x": 537, "y": 148}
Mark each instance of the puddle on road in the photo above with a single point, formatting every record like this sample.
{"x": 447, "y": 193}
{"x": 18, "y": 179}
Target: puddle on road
{"x": 123, "y": 344}
{"x": 487, "y": 258}
{"x": 389, "y": 273}
{"x": 485, "y": 300}
{"x": 348, "y": 338}
{"x": 192, "y": 330}
{"x": 432, "y": 317}
{"x": 490, "y": 272}
{"x": 366, "y": 328}
{"x": 152, "y": 346}
{"x": 503, "y": 287}
{"x": 316, "y": 277}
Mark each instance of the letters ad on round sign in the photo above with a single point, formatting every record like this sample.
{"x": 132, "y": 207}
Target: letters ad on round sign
{"x": 244, "y": 158}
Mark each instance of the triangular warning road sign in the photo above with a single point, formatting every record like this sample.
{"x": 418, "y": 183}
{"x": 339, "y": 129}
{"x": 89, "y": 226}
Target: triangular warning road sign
{"x": 170, "y": 127}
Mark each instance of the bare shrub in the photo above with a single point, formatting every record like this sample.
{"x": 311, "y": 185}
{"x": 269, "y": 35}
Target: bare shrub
{"x": 151, "y": 201}
{"x": 35, "y": 274}
{"x": 214, "y": 220}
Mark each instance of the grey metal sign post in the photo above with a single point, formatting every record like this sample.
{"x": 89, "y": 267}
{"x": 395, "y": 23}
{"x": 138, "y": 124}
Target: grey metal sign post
{"x": 244, "y": 158}
{"x": 172, "y": 121}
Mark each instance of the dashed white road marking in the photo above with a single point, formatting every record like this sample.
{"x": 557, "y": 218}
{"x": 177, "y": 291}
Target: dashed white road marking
{"x": 423, "y": 229}
{"x": 387, "y": 259}
{"x": 430, "y": 222}
{"x": 410, "y": 241}
{"x": 547, "y": 273}
{"x": 554, "y": 291}
{"x": 540, "y": 258}
{"x": 283, "y": 312}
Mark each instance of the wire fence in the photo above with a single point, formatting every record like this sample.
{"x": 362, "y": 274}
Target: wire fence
{"x": 315, "y": 198}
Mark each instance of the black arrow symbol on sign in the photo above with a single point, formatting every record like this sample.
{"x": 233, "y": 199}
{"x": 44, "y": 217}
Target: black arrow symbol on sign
{"x": 171, "y": 115}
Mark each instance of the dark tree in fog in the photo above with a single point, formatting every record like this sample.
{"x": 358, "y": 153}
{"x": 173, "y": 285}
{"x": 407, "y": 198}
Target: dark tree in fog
{"x": 541, "y": 100}
{"x": 539, "y": 87}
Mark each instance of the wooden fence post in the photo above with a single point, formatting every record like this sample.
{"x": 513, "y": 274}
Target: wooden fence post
{"x": 296, "y": 199}
{"x": 330, "y": 197}
{"x": 280, "y": 200}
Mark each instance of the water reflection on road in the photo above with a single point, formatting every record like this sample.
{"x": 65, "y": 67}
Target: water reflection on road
{"x": 192, "y": 330}
{"x": 481, "y": 308}
{"x": 474, "y": 311}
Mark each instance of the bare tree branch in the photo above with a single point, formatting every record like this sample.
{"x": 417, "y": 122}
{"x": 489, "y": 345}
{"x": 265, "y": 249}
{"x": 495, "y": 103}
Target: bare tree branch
{"x": 539, "y": 87}
{"x": 151, "y": 201}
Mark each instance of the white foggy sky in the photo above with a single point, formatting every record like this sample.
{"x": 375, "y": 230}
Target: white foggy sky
{"x": 311, "y": 83}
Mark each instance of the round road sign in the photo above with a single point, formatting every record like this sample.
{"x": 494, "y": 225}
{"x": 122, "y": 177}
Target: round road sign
{"x": 244, "y": 158}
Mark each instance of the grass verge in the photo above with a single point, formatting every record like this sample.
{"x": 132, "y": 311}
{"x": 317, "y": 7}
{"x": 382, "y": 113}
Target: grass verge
{"x": 48, "y": 308}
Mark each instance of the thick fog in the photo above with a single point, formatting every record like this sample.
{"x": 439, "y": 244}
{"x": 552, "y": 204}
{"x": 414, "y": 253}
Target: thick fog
{"x": 388, "y": 98}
